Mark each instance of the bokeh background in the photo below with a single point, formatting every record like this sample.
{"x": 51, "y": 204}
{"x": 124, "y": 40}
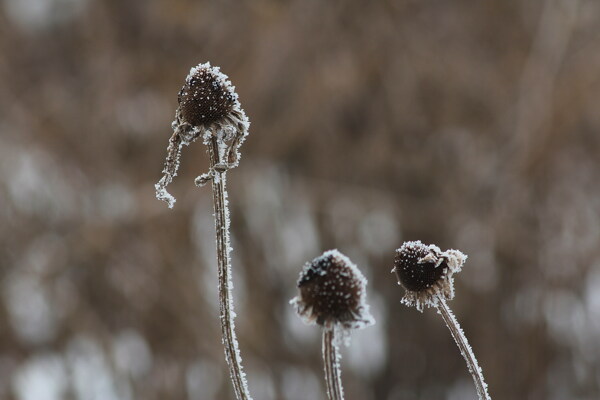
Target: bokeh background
{"x": 469, "y": 124}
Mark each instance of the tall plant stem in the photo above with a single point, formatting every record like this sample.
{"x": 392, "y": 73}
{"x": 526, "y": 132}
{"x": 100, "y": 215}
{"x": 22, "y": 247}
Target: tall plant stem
{"x": 230, "y": 343}
{"x": 331, "y": 359}
{"x": 465, "y": 349}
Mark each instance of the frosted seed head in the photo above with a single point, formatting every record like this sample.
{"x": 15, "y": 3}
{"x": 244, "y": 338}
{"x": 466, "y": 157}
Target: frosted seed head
{"x": 206, "y": 97}
{"x": 416, "y": 266}
{"x": 426, "y": 273}
{"x": 208, "y": 109}
{"x": 333, "y": 291}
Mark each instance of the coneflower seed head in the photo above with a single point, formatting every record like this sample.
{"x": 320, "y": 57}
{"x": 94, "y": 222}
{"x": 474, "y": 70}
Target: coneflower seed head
{"x": 333, "y": 291}
{"x": 426, "y": 273}
{"x": 412, "y": 272}
{"x": 205, "y": 97}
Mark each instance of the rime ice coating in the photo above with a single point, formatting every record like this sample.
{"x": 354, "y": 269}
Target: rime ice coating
{"x": 465, "y": 349}
{"x": 332, "y": 293}
{"x": 208, "y": 108}
{"x": 426, "y": 272}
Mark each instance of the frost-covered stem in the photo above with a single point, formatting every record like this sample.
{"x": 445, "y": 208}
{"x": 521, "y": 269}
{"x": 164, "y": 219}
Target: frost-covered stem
{"x": 170, "y": 169}
{"x": 465, "y": 349}
{"x": 230, "y": 342}
{"x": 331, "y": 360}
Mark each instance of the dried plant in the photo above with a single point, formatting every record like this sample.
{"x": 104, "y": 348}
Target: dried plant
{"x": 332, "y": 295}
{"x": 209, "y": 108}
{"x": 427, "y": 275}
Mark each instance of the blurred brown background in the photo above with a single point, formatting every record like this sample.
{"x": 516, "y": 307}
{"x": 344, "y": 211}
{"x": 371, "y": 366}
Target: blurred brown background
{"x": 469, "y": 124}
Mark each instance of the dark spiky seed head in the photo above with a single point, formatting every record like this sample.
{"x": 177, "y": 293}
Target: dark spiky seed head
{"x": 413, "y": 275}
{"x": 332, "y": 289}
{"x": 205, "y": 97}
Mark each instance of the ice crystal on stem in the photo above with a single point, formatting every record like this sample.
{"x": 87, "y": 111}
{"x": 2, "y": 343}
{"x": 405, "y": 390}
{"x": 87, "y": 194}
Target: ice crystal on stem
{"x": 209, "y": 108}
{"x": 426, "y": 273}
{"x": 333, "y": 296}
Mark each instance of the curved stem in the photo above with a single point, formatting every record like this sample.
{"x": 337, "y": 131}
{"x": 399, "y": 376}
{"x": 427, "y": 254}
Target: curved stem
{"x": 465, "y": 349}
{"x": 331, "y": 360}
{"x": 170, "y": 169}
{"x": 230, "y": 343}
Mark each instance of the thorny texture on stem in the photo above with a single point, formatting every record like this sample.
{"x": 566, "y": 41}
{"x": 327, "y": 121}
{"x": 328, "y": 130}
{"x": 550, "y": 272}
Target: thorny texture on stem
{"x": 230, "y": 343}
{"x": 465, "y": 349}
{"x": 331, "y": 360}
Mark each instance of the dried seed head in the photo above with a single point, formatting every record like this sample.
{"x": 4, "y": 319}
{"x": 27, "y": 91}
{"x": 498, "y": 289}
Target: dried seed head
{"x": 208, "y": 108}
{"x": 208, "y": 105}
{"x": 426, "y": 273}
{"x": 205, "y": 97}
{"x": 333, "y": 292}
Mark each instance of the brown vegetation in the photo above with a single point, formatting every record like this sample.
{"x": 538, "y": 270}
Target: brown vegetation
{"x": 472, "y": 125}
